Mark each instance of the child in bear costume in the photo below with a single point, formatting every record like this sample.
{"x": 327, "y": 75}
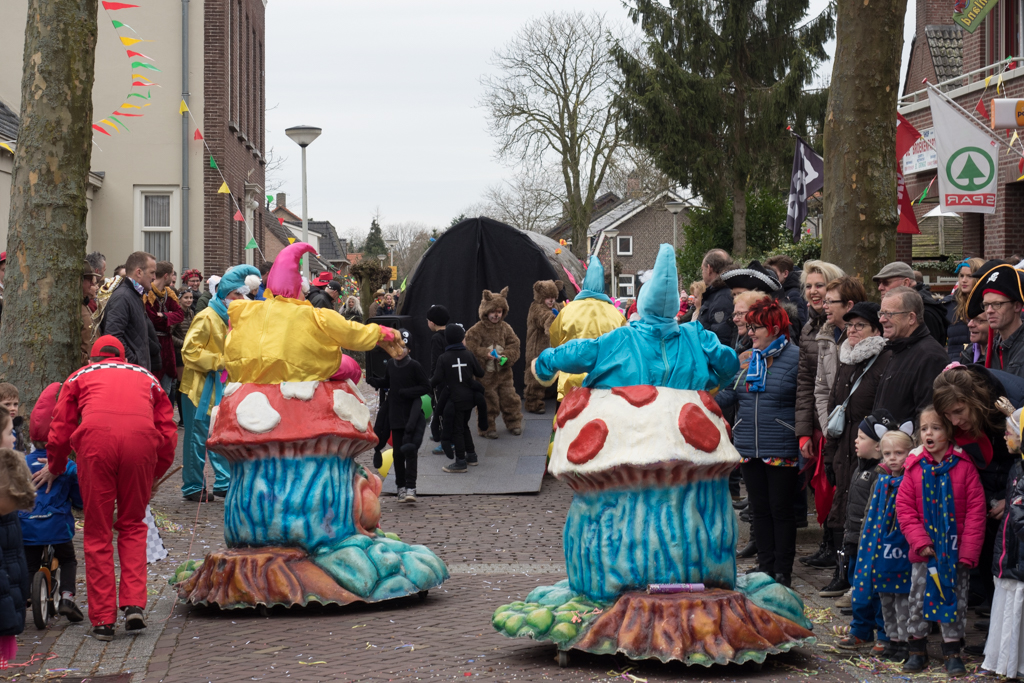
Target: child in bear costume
{"x": 543, "y": 310}
{"x": 497, "y": 348}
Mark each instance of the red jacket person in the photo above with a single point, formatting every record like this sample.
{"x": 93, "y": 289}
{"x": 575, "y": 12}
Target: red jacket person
{"x": 125, "y": 441}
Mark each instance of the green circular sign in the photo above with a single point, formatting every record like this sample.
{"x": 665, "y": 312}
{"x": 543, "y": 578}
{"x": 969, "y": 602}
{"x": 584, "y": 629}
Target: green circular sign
{"x": 969, "y": 177}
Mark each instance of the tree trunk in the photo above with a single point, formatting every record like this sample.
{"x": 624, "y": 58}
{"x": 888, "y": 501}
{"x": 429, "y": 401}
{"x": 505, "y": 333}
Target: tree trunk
{"x": 40, "y": 336}
{"x": 579, "y": 217}
{"x": 860, "y": 219}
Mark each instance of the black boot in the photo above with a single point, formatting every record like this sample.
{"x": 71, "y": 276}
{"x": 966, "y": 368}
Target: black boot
{"x": 827, "y": 555}
{"x": 749, "y": 550}
{"x": 891, "y": 648}
{"x": 823, "y": 548}
{"x": 784, "y": 579}
{"x": 839, "y": 584}
{"x": 953, "y": 664}
{"x": 917, "y": 660}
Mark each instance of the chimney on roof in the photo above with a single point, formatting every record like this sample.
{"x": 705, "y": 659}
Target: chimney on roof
{"x": 281, "y": 201}
{"x": 633, "y": 186}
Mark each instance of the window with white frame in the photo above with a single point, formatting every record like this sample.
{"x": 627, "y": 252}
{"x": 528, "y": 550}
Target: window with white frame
{"x": 624, "y": 245}
{"x": 625, "y": 286}
{"x": 158, "y": 222}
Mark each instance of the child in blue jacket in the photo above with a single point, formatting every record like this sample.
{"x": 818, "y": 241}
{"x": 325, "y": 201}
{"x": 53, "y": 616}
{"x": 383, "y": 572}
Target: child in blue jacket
{"x": 51, "y": 522}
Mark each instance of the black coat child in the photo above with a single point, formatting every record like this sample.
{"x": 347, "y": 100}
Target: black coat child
{"x": 454, "y": 380}
{"x": 406, "y": 383}
{"x": 14, "y": 579}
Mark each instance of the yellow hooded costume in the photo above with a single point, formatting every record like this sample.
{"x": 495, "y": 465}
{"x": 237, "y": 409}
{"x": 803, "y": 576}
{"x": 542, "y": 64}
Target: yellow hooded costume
{"x": 286, "y": 339}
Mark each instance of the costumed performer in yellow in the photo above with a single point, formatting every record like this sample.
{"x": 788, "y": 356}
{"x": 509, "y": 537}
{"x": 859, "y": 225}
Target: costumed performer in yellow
{"x": 589, "y": 315}
{"x": 285, "y": 339}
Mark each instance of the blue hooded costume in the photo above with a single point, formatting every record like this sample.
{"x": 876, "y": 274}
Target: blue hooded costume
{"x": 654, "y": 350}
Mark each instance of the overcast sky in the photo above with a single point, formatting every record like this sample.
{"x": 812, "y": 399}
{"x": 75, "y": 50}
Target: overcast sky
{"x": 395, "y": 87}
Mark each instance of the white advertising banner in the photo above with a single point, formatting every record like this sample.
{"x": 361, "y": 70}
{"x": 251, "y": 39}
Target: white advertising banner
{"x": 967, "y": 161}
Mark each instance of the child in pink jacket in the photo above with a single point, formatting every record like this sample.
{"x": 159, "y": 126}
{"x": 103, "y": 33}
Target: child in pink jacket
{"x": 941, "y": 509}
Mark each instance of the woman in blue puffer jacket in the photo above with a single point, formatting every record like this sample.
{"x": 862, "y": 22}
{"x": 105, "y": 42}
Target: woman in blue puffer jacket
{"x": 764, "y": 395}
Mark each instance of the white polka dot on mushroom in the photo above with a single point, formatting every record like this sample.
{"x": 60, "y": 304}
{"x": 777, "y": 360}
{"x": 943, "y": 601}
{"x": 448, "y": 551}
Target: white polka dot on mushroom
{"x": 351, "y": 409}
{"x": 355, "y": 390}
{"x": 231, "y": 388}
{"x": 301, "y": 390}
{"x": 255, "y": 414}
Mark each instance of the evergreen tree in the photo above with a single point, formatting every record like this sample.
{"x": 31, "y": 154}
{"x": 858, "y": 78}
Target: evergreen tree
{"x": 374, "y": 243}
{"x": 711, "y": 94}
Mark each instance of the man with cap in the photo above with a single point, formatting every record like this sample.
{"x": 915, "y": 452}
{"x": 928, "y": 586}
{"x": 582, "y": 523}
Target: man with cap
{"x": 122, "y": 425}
{"x": 999, "y": 295}
{"x": 899, "y": 274}
{"x": 201, "y": 355}
{"x": 324, "y": 296}
{"x": 917, "y": 358}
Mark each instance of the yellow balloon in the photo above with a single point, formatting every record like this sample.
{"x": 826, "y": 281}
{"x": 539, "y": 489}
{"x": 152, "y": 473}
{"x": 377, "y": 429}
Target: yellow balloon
{"x": 387, "y": 457}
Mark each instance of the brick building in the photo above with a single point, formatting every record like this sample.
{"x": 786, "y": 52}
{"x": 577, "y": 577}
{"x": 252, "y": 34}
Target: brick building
{"x": 142, "y": 195}
{"x": 642, "y": 225}
{"x": 959, "y": 63}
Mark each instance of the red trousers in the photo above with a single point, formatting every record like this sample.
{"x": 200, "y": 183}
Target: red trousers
{"x": 115, "y": 464}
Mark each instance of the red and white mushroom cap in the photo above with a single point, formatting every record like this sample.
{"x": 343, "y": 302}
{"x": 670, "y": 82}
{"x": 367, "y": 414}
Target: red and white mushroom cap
{"x": 291, "y": 419}
{"x": 639, "y": 436}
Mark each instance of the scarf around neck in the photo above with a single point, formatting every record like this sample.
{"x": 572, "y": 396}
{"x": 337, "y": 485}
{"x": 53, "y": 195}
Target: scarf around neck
{"x": 152, "y": 295}
{"x": 883, "y": 556}
{"x": 220, "y": 307}
{"x": 940, "y": 600}
{"x": 757, "y": 371}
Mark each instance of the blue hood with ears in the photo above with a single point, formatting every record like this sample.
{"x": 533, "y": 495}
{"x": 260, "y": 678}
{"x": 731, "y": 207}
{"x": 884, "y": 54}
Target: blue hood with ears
{"x": 658, "y": 302}
{"x": 593, "y": 283}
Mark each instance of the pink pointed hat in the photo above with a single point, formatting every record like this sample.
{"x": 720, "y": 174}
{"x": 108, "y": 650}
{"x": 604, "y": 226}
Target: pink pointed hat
{"x": 284, "y": 278}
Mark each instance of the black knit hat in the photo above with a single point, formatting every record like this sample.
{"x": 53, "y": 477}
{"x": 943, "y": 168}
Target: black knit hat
{"x": 868, "y": 310}
{"x": 754, "y": 276}
{"x": 438, "y": 315}
{"x": 454, "y": 334}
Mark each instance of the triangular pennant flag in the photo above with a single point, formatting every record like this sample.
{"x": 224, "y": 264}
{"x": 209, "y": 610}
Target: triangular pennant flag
{"x": 182, "y": 108}
{"x": 129, "y": 105}
{"x": 269, "y": 199}
{"x": 251, "y": 244}
{"x": 999, "y": 83}
{"x": 291, "y": 240}
{"x": 988, "y": 79}
{"x": 121, "y": 113}
{"x": 8, "y": 148}
{"x": 213, "y": 164}
{"x": 110, "y": 123}
{"x": 133, "y": 53}
{"x": 238, "y": 216}
{"x": 140, "y": 83}
{"x": 100, "y": 129}
{"x": 1020, "y": 179}
{"x": 120, "y": 122}
{"x": 144, "y": 65}
{"x": 224, "y": 189}
{"x": 116, "y": 5}
{"x": 280, "y": 221}
{"x": 198, "y": 136}
{"x": 1020, "y": 165}
{"x": 140, "y": 76}
{"x": 981, "y": 107}
{"x": 1015, "y": 137}
{"x": 402, "y": 288}
{"x": 128, "y": 42}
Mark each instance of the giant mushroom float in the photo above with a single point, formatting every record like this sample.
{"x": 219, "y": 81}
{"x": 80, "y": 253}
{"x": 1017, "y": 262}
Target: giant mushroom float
{"x": 301, "y": 516}
{"x": 649, "y": 467}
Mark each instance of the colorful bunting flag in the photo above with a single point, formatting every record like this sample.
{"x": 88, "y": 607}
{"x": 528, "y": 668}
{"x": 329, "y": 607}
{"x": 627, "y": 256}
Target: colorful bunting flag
{"x": 116, "y": 5}
{"x": 988, "y": 79}
{"x": 100, "y": 129}
{"x": 269, "y": 199}
{"x": 120, "y": 123}
{"x": 999, "y": 83}
{"x": 238, "y": 216}
{"x": 137, "y": 84}
{"x": 144, "y": 65}
{"x": 198, "y": 136}
{"x": 8, "y": 148}
{"x": 1020, "y": 165}
{"x": 251, "y": 244}
{"x": 1015, "y": 138}
{"x": 981, "y": 108}
{"x": 109, "y": 123}
{"x": 213, "y": 164}
{"x": 280, "y": 221}
{"x": 119, "y": 24}
{"x": 291, "y": 240}
{"x": 182, "y": 108}
{"x": 122, "y": 113}
{"x": 133, "y": 53}
{"x": 128, "y": 42}
{"x": 224, "y": 189}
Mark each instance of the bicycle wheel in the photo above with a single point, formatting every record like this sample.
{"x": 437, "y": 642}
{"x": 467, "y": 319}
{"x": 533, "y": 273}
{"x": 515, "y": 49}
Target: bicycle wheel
{"x": 40, "y": 600}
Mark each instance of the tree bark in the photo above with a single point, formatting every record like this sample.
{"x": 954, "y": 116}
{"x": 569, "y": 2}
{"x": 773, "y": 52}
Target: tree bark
{"x": 40, "y": 337}
{"x": 860, "y": 217}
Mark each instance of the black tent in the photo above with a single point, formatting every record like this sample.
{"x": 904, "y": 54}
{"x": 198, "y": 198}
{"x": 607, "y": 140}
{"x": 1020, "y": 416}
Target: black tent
{"x": 478, "y": 254}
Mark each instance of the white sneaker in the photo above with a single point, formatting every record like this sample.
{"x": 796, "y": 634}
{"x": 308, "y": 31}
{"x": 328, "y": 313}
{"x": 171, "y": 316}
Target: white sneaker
{"x": 401, "y": 495}
{"x": 410, "y": 496}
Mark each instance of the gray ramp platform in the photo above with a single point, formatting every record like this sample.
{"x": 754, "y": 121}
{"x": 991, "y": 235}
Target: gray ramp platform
{"x": 508, "y": 464}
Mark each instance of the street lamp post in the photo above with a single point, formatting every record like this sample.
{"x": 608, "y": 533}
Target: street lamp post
{"x": 391, "y": 250}
{"x": 304, "y": 136}
{"x": 610, "y": 235}
{"x": 675, "y": 208}
{"x": 382, "y": 258}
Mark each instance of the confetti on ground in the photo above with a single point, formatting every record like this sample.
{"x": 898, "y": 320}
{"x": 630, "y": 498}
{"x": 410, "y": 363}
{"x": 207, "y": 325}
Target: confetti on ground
{"x": 311, "y": 663}
{"x": 819, "y": 616}
{"x": 840, "y": 631}
{"x": 165, "y": 524}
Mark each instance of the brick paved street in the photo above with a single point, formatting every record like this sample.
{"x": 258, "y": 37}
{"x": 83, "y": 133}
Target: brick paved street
{"x": 497, "y": 547}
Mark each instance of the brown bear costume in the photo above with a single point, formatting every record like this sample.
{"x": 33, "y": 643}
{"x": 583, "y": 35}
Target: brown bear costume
{"x": 538, "y": 333}
{"x": 499, "y": 390}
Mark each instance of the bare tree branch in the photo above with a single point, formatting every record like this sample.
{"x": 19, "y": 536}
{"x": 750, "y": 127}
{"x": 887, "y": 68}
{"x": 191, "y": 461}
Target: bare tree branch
{"x": 553, "y": 99}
